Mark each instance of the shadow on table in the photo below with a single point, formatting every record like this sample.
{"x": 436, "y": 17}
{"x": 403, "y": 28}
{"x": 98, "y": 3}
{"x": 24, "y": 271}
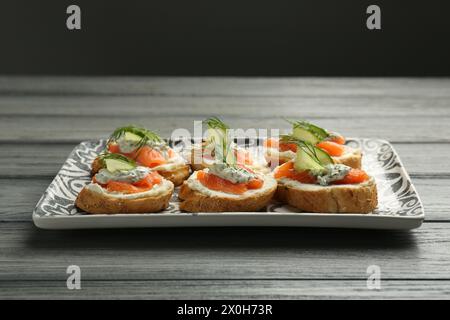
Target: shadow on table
{"x": 223, "y": 238}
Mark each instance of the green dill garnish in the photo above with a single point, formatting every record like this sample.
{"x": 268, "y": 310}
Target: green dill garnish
{"x": 216, "y": 124}
{"x": 146, "y": 136}
{"x": 319, "y": 132}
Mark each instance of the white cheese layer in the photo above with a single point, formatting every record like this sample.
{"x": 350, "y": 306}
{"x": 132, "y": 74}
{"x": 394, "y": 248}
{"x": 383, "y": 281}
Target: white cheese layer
{"x": 194, "y": 184}
{"x": 159, "y": 189}
{"x": 316, "y": 187}
{"x": 273, "y": 153}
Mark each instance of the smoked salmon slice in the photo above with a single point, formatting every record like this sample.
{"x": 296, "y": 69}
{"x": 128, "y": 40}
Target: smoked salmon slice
{"x": 332, "y": 148}
{"x": 216, "y": 183}
{"x": 287, "y": 170}
{"x": 146, "y": 156}
{"x": 355, "y": 176}
{"x": 149, "y": 157}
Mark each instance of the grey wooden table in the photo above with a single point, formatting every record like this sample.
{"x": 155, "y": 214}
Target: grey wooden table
{"x": 42, "y": 119}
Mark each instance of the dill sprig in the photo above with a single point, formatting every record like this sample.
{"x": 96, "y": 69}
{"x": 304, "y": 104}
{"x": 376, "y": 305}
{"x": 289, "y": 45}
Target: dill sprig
{"x": 216, "y": 124}
{"x": 146, "y": 136}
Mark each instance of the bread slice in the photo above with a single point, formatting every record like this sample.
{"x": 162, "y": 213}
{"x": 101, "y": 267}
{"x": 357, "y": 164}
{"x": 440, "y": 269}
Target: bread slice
{"x": 360, "y": 198}
{"x": 197, "y": 201}
{"x": 95, "y": 202}
{"x": 352, "y": 157}
{"x": 96, "y": 166}
{"x": 177, "y": 176}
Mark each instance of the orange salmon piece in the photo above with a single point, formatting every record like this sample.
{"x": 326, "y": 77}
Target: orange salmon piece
{"x": 255, "y": 184}
{"x": 114, "y": 148}
{"x": 216, "y": 183}
{"x": 149, "y": 181}
{"x": 287, "y": 170}
{"x": 122, "y": 187}
{"x": 355, "y": 176}
{"x": 332, "y": 148}
{"x": 288, "y": 147}
{"x": 284, "y": 170}
{"x": 338, "y": 139}
{"x": 271, "y": 143}
{"x": 149, "y": 157}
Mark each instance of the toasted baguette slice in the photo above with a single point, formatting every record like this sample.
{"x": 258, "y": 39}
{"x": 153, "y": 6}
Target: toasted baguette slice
{"x": 193, "y": 200}
{"x": 359, "y": 198}
{"x": 177, "y": 175}
{"x": 95, "y": 202}
{"x": 96, "y": 166}
{"x": 352, "y": 157}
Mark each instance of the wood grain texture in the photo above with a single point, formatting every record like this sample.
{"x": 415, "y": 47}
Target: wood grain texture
{"x": 284, "y": 106}
{"x": 226, "y": 289}
{"x": 78, "y": 128}
{"x": 43, "y": 118}
{"x": 27, "y": 253}
{"x": 179, "y": 86}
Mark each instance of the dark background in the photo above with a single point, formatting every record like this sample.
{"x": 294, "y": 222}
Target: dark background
{"x": 232, "y": 37}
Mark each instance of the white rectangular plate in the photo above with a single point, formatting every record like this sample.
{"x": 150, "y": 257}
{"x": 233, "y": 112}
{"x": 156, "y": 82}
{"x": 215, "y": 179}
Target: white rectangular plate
{"x": 399, "y": 204}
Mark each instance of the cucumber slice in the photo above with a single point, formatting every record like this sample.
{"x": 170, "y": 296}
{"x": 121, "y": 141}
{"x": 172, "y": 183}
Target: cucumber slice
{"x": 215, "y": 135}
{"x": 113, "y": 165}
{"x": 304, "y": 161}
{"x": 129, "y": 136}
{"x": 304, "y": 134}
{"x": 318, "y": 131}
{"x": 323, "y": 157}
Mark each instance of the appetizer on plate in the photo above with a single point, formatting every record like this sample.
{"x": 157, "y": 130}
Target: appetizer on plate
{"x": 224, "y": 187}
{"x": 281, "y": 151}
{"x": 204, "y": 155}
{"x": 121, "y": 186}
{"x": 312, "y": 182}
{"x": 148, "y": 150}
{"x": 226, "y": 184}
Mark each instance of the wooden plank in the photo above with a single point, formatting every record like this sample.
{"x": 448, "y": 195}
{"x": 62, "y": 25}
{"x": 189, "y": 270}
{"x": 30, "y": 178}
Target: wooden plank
{"x": 75, "y": 129}
{"x": 27, "y": 253}
{"x": 317, "y": 107}
{"x": 18, "y": 200}
{"x": 226, "y": 289}
{"x": 201, "y": 86}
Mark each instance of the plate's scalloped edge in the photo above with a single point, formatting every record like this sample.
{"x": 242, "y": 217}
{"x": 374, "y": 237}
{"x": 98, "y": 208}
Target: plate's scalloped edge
{"x": 52, "y": 222}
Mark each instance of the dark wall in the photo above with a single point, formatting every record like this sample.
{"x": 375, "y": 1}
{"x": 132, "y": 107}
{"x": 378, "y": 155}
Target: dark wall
{"x": 232, "y": 37}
